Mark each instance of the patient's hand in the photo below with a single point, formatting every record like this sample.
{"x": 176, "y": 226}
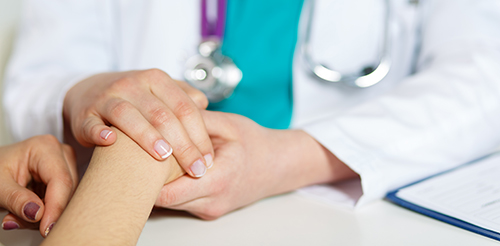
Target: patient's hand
{"x": 49, "y": 168}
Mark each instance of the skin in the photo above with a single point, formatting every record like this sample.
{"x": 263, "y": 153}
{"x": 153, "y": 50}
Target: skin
{"x": 122, "y": 179}
{"x": 115, "y": 197}
{"x": 157, "y": 112}
{"x": 251, "y": 163}
{"x": 49, "y": 168}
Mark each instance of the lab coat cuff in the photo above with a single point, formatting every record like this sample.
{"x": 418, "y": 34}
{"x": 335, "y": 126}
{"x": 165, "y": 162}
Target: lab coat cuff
{"x": 360, "y": 159}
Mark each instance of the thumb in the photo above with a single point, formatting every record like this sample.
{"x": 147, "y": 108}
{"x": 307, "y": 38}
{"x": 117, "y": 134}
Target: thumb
{"x": 93, "y": 131}
{"x": 20, "y": 201}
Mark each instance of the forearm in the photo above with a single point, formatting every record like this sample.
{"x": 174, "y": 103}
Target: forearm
{"x": 115, "y": 197}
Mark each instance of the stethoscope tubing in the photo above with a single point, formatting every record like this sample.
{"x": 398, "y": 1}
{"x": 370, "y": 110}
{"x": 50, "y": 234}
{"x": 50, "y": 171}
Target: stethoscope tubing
{"x": 329, "y": 75}
{"x": 213, "y": 29}
{"x": 218, "y": 76}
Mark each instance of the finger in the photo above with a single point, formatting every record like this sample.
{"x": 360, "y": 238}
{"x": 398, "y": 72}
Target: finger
{"x": 70, "y": 158}
{"x": 59, "y": 180}
{"x": 185, "y": 151}
{"x": 183, "y": 190}
{"x": 198, "y": 97}
{"x": 217, "y": 124}
{"x": 12, "y": 222}
{"x": 93, "y": 131}
{"x": 20, "y": 201}
{"x": 203, "y": 208}
{"x": 125, "y": 116}
{"x": 189, "y": 115}
{"x": 57, "y": 198}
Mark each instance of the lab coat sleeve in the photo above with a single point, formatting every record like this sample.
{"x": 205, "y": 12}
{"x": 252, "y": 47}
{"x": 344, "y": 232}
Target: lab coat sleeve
{"x": 446, "y": 114}
{"x": 58, "y": 44}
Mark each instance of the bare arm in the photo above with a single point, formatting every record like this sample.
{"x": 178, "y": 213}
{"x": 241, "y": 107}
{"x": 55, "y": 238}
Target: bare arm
{"x": 115, "y": 197}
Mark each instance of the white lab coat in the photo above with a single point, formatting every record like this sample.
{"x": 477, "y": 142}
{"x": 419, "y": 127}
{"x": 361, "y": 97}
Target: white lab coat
{"x": 438, "y": 107}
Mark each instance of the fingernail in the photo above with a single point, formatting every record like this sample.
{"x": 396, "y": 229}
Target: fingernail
{"x": 10, "y": 225}
{"x": 47, "y": 231}
{"x": 209, "y": 160}
{"x": 163, "y": 149}
{"x": 30, "y": 210}
{"x": 198, "y": 168}
{"x": 105, "y": 134}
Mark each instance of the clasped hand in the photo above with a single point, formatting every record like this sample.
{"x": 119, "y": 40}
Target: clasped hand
{"x": 251, "y": 162}
{"x": 38, "y": 177}
{"x": 150, "y": 107}
{"x": 157, "y": 112}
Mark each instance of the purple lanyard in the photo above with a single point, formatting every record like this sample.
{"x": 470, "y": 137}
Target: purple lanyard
{"x": 213, "y": 28}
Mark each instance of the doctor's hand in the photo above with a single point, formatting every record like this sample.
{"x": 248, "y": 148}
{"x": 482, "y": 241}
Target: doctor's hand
{"x": 252, "y": 162}
{"x": 159, "y": 113}
{"x": 48, "y": 169}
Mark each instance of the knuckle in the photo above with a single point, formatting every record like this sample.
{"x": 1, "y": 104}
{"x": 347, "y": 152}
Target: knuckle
{"x": 119, "y": 108}
{"x": 89, "y": 129}
{"x": 184, "y": 110}
{"x": 119, "y": 86}
{"x": 205, "y": 142}
{"x": 105, "y": 95}
{"x": 199, "y": 98}
{"x": 155, "y": 74}
{"x": 159, "y": 117}
{"x": 13, "y": 198}
{"x": 184, "y": 150}
{"x": 124, "y": 82}
{"x": 167, "y": 197}
{"x": 46, "y": 140}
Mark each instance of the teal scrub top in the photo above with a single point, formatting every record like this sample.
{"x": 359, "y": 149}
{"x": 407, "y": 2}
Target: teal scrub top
{"x": 260, "y": 38}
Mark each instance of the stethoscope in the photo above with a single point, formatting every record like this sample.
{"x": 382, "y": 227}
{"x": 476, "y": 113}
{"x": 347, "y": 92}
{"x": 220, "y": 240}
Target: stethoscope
{"x": 217, "y": 75}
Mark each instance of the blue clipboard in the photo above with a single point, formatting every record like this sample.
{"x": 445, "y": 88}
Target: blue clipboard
{"x": 392, "y": 196}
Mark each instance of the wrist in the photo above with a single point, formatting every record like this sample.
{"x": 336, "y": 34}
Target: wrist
{"x": 307, "y": 162}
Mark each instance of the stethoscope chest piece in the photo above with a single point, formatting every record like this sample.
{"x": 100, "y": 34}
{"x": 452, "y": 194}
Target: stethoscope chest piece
{"x": 212, "y": 72}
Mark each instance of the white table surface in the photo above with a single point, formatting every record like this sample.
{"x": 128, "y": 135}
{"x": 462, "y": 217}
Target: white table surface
{"x": 293, "y": 219}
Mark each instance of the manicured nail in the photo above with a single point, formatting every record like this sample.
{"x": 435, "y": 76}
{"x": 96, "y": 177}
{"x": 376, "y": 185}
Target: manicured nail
{"x": 209, "y": 159}
{"x": 47, "y": 231}
{"x": 105, "y": 134}
{"x": 30, "y": 210}
{"x": 198, "y": 168}
{"x": 163, "y": 149}
{"x": 10, "y": 225}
